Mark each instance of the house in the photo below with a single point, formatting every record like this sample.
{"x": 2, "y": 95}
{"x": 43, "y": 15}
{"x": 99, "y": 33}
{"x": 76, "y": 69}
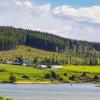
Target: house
{"x": 55, "y": 67}
{"x": 24, "y": 64}
{"x": 9, "y": 62}
{"x": 43, "y": 66}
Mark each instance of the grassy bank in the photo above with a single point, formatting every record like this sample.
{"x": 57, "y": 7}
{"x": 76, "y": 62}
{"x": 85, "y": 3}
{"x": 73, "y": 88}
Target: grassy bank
{"x": 2, "y": 98}
{"x": 22, "y": 74}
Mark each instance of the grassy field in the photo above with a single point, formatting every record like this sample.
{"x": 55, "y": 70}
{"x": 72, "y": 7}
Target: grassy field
{"x": 19, "y": 71}
{"x": 34, "y": 75}
{"x": 28, "y": 53}
{"x": 77, "y": 68}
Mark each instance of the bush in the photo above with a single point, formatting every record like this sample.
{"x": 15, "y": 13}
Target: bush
{"x": 53, "y": 75}
{"x": 9, "y": 99}
{"x": 47, "y": 76}
{"x": 65, "y": 74}
{"x": 3, "y": 70}
{"x": 12, "y": 78}
{"x": 95, "y": 78}
{"x": 25, "y": 76}
{"x": 83, "y": 74}
{"x": 2, "y": 98}
{"x": 61, "y": 79}
{"x": 72, "y": 77}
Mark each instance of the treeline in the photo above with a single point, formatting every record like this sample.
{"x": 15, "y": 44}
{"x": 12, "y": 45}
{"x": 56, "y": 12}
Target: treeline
{"x": 75, "y": 52}
{"x": 10, "y": 37}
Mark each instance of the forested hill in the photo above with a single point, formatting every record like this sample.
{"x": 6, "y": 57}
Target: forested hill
{"x": 72, "y": 51}
{"x": 11, "y": 37}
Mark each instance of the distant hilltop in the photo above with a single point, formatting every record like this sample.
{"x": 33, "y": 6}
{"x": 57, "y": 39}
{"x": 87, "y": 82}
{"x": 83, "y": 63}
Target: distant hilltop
{"x": 11, "y": 37}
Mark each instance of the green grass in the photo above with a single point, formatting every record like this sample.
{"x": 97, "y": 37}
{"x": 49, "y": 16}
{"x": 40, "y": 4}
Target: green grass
{"x": 89, "y": 69}
{"x": 28, "y": 53}
{"x": 21, "y": 70}
{"x": 37, "y": 75}
{"x": 2, "y": 98}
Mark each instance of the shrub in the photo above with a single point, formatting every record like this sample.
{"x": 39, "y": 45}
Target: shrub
{"x": 9, "y": 99}
{"x": 72, "y": 77}
{"x": 65, "y": 74}
{"x": 95, "y": 78}
{"x": 25, "y": 76}
{"x": 61, "y": 79}
{"x": 83, "y": 74}
{"x": 53, "y": 75}
{"x": 3, "y": 70}
{"x": 47, "y": 76}
{"x": 12, "y": 78}
{"x": 2, "y": 98}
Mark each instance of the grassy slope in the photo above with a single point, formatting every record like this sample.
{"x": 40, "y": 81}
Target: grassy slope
{"x": 28, "y": 53}
{"x": 37, "y": 75}
{"x": 18, "y": 71}
{"x": 89, "y": 69}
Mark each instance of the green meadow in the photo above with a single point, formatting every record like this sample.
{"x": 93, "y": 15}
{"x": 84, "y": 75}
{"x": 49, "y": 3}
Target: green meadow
{"x": 65, "y": 75}
{"x": 88, "y": 69}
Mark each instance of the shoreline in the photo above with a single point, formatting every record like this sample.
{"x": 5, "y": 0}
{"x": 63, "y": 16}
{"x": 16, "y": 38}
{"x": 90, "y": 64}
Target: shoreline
{"x": 32, "y": 82}
{"x": 46, "y": 82}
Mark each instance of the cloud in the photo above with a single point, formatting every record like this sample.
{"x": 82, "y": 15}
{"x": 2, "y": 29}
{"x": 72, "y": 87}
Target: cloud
{"x": 35, "y": 9}
{"x": 86, "y": 13}
{"x": 24, "y": 4}
{"x": 45, "y": 8}
{"x": 65, "y": 21}
{"x": 80, "y": 14}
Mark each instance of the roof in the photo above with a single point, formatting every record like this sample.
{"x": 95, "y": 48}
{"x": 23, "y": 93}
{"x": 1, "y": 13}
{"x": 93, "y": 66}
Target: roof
{"x": 43, "y": 66}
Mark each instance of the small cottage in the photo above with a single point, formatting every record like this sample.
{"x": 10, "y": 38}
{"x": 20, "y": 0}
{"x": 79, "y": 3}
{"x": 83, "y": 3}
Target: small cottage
{"x": 9, "y": 62}
{"x": 43, "y": 66}
{"x": 55, "y": 67}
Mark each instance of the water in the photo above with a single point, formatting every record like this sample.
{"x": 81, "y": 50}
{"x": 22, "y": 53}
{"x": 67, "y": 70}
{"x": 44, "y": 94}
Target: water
{"x": 50, "y": 91}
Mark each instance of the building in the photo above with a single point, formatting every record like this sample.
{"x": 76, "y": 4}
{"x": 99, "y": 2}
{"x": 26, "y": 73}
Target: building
{"x": 55, "y": 67}
{"x": 43, "y": 66}
{"x": 9, "y": 62}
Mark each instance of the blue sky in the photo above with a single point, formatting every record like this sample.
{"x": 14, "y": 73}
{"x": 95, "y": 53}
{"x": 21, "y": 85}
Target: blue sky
{"x": 75, "y": 19}
{"x": 74, "y": 3}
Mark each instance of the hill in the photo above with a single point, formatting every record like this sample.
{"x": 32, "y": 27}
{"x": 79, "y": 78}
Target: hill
{"x": 30, "y": 54}
{"x": 64, "y": 51}
{"x": 11, "y": 37}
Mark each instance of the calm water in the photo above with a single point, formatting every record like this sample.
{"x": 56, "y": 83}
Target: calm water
{"x": 50, "y": 92}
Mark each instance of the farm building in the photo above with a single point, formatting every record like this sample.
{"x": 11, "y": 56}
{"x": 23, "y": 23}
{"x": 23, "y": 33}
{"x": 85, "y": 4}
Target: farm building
{"x": 43, "y": 66}
{"x": 56, "y": 67}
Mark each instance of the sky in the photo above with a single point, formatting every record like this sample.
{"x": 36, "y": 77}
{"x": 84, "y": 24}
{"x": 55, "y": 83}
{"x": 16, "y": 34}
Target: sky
{"x": 75, "y": 19}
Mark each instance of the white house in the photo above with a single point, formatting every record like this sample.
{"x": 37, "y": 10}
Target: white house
{"x": 55, "y": 67}
{"x": 42, "y": 66}
{"x": 24, "y": 64}
{"x": 10, "y": 62}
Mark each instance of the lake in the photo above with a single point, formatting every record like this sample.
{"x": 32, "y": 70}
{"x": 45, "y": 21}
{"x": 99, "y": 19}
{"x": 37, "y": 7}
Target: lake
{"x": 50, "y": 91}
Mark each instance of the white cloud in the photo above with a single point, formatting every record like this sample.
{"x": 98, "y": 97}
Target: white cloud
{"x": 35, "y": 9}
{"x": 24, "y": 4}
{"x": 86, "y": 13}
{"x": 45, "y": 9}
{"x": 66, "y": 21}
